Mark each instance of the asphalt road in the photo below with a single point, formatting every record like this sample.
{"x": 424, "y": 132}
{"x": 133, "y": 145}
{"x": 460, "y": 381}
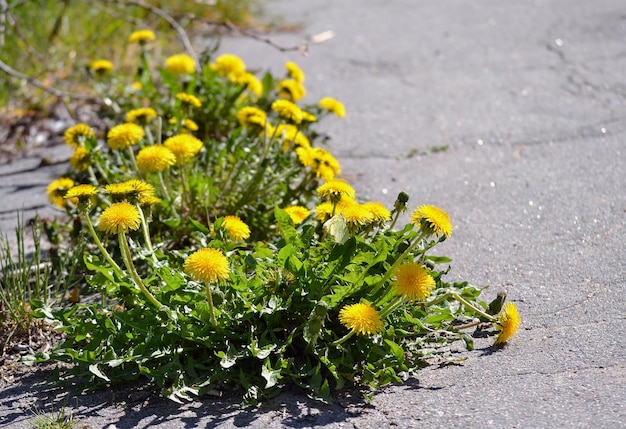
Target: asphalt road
{"x": 509, "y": 115}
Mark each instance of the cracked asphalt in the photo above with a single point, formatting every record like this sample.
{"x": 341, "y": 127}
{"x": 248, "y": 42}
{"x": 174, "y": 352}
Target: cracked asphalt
{"x": 509, "y": 115}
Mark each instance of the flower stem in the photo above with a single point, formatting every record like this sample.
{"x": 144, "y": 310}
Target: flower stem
{"x": 133, "y": 272}
{"x": 146, "y": 233}
{"x": 463, "y": 301}
{"x": 344, "y": 338}
{"x": 104, "y": 252}
{"x": 391, "y": 307}
{"x": 209, "y": 297}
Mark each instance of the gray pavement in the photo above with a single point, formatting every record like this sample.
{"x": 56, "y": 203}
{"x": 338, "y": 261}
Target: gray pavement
{"x": 529, "y": 98}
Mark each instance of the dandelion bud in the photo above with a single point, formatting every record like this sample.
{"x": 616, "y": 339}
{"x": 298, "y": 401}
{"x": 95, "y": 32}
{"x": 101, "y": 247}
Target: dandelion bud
{"x": 401, "y": 202}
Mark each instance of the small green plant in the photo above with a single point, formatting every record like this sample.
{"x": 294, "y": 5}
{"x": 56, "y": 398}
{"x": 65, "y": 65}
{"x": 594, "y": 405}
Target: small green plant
{"x": 59, "y": 419}
{"x": 226, "y": 250}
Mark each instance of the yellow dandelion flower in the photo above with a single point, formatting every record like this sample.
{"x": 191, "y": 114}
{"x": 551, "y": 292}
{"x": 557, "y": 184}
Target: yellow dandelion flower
{"x": 142, "y": 115}
{"x": 298, "y": 213}
{"x": 435, "y": 220}
{"x": 508, "y": 323}
{"x": 207, "y": 265}
{"x": 355, "y": 214}
{"x": 80, "y": 159}
{"x": 83, "y": 193}
{"x": 251, "y": 116}
{"x": 287, "y": 110}
{"x": 101, "y": 67}
{"x": 141, "y": 37}
{"x": 237, "y": 229}
{"x": 57, "y": 189}
{"x": 184, "y": 147}
{"x": 291, "y": 89}
{"x": 149, "y": 200}
{"x": 253, "y": 83}
{"x": 335, "y": 190}
{"x": 227, "y": 64}
{"x": 379, "y": 212}
{"x": 190, "y": 125}
{"x": 308, "y": 117}
{"x": 189, "y": 99}
{"x": 180, "y": 64}
{"x": 119, "y": 217}
{"x": 292, "y": 137}
{"x": 294, "y": 71}
{"x": 334, "y": 106}
{"x": 362, "y": 318}
{"x": 323, "y": 211}
{"x": 76, "y": 135}
{"x": 131, "y": 190}
{"x": 321, "y": 161}
{"x": 154, "y": 159}
{"x": 123, "y": 136}
{"x": 413, "y": 281}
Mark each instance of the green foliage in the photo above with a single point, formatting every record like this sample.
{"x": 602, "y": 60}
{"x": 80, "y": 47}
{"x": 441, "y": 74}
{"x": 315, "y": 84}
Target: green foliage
{"x": 209, "y": 277}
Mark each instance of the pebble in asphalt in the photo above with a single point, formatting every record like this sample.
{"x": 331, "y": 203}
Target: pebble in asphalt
{"x": 526, "y": 102}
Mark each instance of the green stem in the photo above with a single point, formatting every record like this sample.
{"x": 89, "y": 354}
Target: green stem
{"x": 146, "y": 233}
{"x": 128, "y": 261}
{"x": 344, "y": 338}
{"x": 463, "y": 301}
{"x": 391, "y": 307}
{"x": 104, "y": 252}
{"x": 209, "y": 297}
{"x": 398, "y": 261}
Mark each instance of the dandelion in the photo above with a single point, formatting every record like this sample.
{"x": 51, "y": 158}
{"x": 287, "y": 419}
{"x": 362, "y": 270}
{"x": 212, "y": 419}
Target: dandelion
{"x": 432, "y": 219}
{"x": 207, "y": 265}
{"x": 187, "y": 125}
{"x": 379, "y": 212}
{"x": 227, "y": 64}
{"x": 131, "y": 190}
{"x": 250, "y": 116}
{"x": 355, "y": 214}
{"x": 298, "y": 213}
{"x": 57, "y": 189}
{"x": 333, "y": 106}
{"x": 294, "y": 71}
{"x": 362, "y": 318}
{"x": 291, "y": 89}
{"x": 413, "y": 281}
{"x": 141, "y": 37}
{"x": 335, "y": 190}
{"x": 253, "y": 84}
{"x": 321, "y": 161}
{"x": 101, "y": 67}
{"x": 237, "y": 229}
{"x": 287, "y": 110}
{"x": 180, "y": 64}
{"x": 324, "y": 211}
{"x": 125, "y": 135}
{"x": 76, "y": 135}
{"x": 154, "y": 159}
{"x": 308, "y": 117}
{"x": 119, "y": 218}
{"x": 84, "y": 194}
{"x": 80, "y": 159}
{"x": 142, "y": 115}
{"x": 189, "y": 100}
{"x": 184, "y": 147}
{"x": 508, "y": 322}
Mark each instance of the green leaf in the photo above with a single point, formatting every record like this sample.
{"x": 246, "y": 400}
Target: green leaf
{"x": 315, "y": 323}
{"x": 438, "y": 259}
{"x": 270, "y": 375}
{"x": 93, "y": 368}
{"x": 396, "y": 350}
{"x": 286, "y": 225}
{"x": 197, "y": 226}
{"x": 93, "y": 263}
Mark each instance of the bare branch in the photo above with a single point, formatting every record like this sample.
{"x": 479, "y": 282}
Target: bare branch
{"x": 50, "y": 90}
{"x": 302, "y": 48}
